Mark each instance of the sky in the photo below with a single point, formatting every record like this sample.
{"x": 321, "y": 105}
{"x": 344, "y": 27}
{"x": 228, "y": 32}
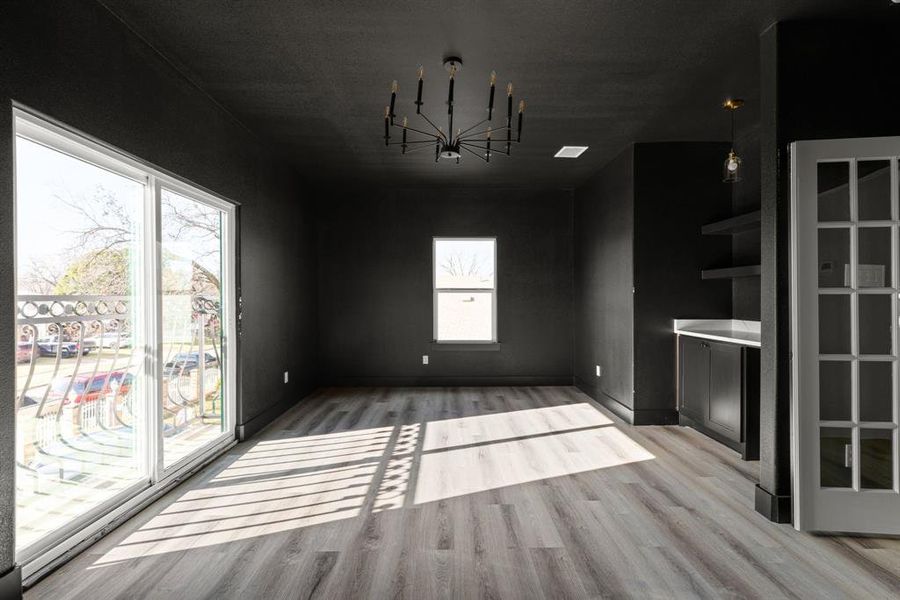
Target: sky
{"x": 46, "y": 179}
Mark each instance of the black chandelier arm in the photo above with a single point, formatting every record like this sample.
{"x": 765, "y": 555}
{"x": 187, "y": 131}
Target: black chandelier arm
{"x": 465, "y": 131}
{"x": 428, "y": 133}
{"x": 436, "y": 128}
{"x": 468, "y": 145}
{"x": 421, "y": 147}
{"x": 473, "y": 153}
{"x": 407, "y": 143}
{"x": 474, "y": 136}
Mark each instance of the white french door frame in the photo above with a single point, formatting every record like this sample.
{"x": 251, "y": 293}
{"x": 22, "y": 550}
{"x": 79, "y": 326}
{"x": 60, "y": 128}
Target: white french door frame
{"x": 48, "y": 553}
{"x": 829, "y": 509}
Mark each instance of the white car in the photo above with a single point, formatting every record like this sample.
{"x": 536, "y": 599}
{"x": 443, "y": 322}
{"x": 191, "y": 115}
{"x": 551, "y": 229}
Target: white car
{"x": 113, "y": 340}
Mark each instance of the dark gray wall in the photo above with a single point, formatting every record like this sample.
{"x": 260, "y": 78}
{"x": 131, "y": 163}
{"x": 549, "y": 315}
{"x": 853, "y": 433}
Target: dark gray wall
{"x": 74, "y": 61}
{"x": 604, "y": 277}
{"x": 677, "y": 189}
{"x": 375, "y": 294}
{"x": 803, "y": 99}
{"x": 638, "y": 256}
{"x": 745, "y": 248}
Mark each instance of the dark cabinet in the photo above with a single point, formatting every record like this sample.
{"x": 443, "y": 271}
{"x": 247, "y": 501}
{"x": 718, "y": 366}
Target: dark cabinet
{"x": 725, "y": 389}
{"x": 694, "y": 377}
{"x": 719, "y": 392}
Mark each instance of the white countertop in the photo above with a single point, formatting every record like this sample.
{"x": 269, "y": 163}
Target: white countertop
{"x": 735, "y": 331}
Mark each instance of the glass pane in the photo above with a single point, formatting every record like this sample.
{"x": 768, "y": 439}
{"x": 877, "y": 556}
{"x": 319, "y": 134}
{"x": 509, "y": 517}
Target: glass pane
{"x": 79, "y": 404}
{"x": 874, "y": 189}
{"x": 465, "y": 316}
{"x": 876, "y": 391}
{"x": 876, "y": 464}
{"x": 467, "y": 264}
{"x": 874, "y": 257}
{"x": 834, "y": 391}
{"x": 834, "y": 258}
{"x": 834, "y": 324}
{"x": 193, "y": 394}
{"x": 834, "y": 191}
{"x": 874, "y": 324}
{"x": 834, "y": 468}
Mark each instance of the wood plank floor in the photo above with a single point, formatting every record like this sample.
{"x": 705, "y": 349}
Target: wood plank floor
{"x": 470, "y": 493}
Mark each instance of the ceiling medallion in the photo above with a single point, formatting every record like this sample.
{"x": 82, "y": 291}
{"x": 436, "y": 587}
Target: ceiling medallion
{"x": 449, "y": 145}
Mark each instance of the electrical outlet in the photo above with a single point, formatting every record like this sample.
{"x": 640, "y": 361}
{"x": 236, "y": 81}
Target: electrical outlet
{"x": 285, "y": 376}
{"x": 599, "y": 371}
{"x": 424, "y": 359}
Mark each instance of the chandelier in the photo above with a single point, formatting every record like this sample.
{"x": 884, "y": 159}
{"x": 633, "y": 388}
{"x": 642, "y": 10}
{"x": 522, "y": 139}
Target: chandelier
{"x": 448, "y": 145}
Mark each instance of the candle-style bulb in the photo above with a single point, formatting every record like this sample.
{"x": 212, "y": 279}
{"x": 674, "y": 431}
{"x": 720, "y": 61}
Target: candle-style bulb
{"x": 395, "y": 87}
{"x": 403, "y": 147}
{"x": 488, "y": 133}
{"x": 493, "y": 78}
{"x": 509, "y": 89}
{"x": 419, "y": 91}
{"x": 519, "y": 129}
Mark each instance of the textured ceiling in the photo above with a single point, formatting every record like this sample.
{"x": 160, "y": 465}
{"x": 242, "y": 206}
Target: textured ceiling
{"x": 313, "y": 77}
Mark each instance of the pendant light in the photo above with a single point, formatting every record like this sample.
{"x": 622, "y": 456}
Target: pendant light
{"x": 731, "y": 171}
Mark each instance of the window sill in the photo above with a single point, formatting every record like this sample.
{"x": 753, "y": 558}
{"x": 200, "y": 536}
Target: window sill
{"x": 465, "y": 347}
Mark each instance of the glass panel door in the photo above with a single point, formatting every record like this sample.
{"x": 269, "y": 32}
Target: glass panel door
{"x": 81, "y": 403}
{"x": 123, "y": 326}
{"x": 845, "y": 320}
{"x": 193, "y": 395}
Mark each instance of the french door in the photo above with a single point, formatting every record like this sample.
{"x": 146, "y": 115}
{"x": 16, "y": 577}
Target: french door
{"x": 125, "y": 333}
{"x": 845, "y": 285}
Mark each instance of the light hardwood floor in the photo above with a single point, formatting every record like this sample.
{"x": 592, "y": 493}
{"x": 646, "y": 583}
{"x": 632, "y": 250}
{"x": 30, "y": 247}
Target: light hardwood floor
{"x": 470, "y": 493}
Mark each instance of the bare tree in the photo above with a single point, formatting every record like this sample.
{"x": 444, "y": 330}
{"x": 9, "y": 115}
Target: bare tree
{"x": 109, "y": 227}
{"x": 41, "y": 277}
{"x": 460, "y": 265}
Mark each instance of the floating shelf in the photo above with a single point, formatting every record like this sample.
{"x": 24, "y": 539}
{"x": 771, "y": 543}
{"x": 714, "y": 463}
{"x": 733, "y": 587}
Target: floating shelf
{"x": 738, "y": 224}
{"x": 730, "y": 272}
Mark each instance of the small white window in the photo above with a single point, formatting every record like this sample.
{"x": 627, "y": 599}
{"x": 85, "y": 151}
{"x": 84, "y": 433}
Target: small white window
{"x": 465, "y": 290}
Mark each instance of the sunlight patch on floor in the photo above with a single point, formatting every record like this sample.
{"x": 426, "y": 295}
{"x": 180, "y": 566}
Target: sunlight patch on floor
{"x": 479, "y": 468}
{"x": 285, "y": 484}
{"x": 449, "y": 433}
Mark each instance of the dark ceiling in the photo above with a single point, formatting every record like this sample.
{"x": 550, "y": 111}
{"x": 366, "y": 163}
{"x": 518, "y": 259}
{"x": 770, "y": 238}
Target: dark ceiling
{"x": 314, "y": 77}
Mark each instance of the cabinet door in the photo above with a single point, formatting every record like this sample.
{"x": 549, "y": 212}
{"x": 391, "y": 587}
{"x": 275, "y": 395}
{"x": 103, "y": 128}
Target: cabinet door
{"x": 725, "y": 390}
{"x": 694, "y": 377}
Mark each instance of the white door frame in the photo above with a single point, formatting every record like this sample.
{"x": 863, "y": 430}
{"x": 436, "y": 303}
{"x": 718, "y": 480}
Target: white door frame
{"x": 835, "y": 509}
{"x": 46, "y": 554}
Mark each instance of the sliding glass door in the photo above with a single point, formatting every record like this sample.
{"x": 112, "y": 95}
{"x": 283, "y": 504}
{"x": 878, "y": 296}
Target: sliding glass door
{"x": 80, "y": 403}
{"x": 124, "y": 330}
{"x": 192, "y": 334}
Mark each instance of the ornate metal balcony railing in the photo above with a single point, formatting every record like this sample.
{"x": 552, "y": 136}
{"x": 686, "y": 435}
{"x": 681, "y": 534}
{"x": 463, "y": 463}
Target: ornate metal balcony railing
{"x": 76, "y": 395}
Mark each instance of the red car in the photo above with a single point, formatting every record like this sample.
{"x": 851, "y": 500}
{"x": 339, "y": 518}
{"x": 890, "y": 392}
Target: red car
{"x": 86, "y": 388}
{"x": 24, "y": 352}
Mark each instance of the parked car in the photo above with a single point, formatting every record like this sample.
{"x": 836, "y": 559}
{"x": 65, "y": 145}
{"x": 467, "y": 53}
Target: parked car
{"x": 112, "y": 339}
{"x": 24, "y": 352}
{"x": 51, "y": 346}
{"x": 185, "y": 362}
{"x": 48, "y": 346}
{"x": 88, "y": 387}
